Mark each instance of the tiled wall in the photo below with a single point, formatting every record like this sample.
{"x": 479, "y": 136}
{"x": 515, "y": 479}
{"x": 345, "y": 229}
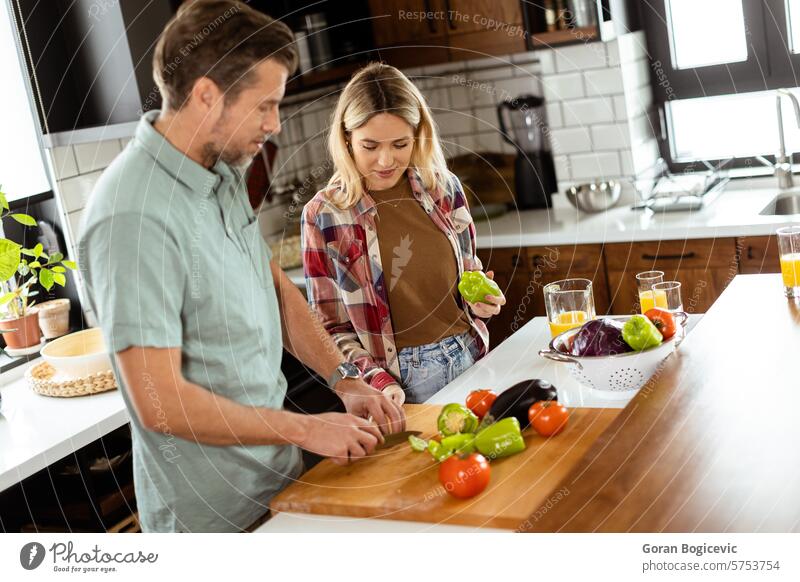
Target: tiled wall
{"x": 597, "y": 94}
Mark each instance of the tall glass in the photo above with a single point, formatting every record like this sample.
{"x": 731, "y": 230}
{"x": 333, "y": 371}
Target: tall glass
{"x": 671, "y": 293}
{"x": 647, "y": 297}
{"x": 569, "y": 304}
{"x": 789, "y": 249}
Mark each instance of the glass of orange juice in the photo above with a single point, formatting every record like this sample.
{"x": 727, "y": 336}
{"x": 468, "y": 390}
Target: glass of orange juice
{"x": 789, "y": 249}
{"x": 647, "y": 297}
{"x": 569, "y": 304}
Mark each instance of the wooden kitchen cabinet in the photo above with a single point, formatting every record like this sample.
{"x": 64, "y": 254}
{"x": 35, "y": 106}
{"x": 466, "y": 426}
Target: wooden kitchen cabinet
{"x": 758, "y": 254}
{"x": 703, "y": 266}
{"x": 458, "y": 30}
{"x": 477, "y": 28}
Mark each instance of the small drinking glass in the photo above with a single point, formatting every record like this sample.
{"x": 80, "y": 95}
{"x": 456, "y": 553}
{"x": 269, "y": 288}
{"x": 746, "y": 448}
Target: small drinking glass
{"x": 789, "y": 249}
{"x": 569, "y": 304}
{"x": 668, "y": 295}
{"x": 645, "y": 282}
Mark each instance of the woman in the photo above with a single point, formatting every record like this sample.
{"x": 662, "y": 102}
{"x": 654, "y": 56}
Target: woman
{"x": 385, "y": 243}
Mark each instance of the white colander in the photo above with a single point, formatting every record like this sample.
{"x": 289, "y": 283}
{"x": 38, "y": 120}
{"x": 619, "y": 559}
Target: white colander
{"x": 619, "y": 373}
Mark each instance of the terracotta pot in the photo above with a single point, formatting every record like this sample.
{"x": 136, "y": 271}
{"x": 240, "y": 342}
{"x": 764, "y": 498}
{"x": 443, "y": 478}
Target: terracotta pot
{"x": 26, "y": 334}
{"x": 54, "y": 317}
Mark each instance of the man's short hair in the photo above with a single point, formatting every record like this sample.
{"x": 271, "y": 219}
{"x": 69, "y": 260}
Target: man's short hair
{"x": 219, "y": 39}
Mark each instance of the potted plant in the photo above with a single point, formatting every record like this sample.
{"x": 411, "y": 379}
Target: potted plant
{"x": 20, "y": 270}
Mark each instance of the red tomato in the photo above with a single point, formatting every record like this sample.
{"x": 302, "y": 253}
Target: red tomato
{"x": 464, "y": 477}
{"x": 480, "y": 402}
{"x": 548, "y": 418}
{"x": 663, "y": 320}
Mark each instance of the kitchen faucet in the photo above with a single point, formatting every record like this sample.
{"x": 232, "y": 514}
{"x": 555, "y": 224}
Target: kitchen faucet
{"x": 783, "y": 161}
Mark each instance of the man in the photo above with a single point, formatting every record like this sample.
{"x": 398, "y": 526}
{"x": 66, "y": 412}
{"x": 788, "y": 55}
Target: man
{"x": 189, "y": 298}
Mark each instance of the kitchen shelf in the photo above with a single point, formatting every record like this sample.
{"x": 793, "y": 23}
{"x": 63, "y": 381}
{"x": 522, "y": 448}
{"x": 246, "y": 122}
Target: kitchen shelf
{"x": 562, "y": 37}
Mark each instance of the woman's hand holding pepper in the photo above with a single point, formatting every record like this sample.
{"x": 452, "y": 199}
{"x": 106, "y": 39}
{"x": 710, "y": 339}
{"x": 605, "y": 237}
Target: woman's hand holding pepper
{"x": 491, "y": 303}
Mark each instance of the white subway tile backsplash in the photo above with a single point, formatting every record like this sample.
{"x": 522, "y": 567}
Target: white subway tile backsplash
{"x": 75, "y": 191}
{"x": 620, "y": 109}
{"x": 438, "y": 99}
{"x": 626, "y": 162}
{"x": 600, "y": 165}
{"x": 641, "y": 130}
{"x": 638, "y": 101}
{"x": 645, "y": 155}
{"x": 563, "y": 168}
{"x": 581, "y": 57}
{"x": 64, "y": 164}
{"x": 570, "y": 140}
{"x": 486, "y": 119}
{"x": 513, "y": 88}
{"x": 459, "y": 97}
{"x": 560, "y": 87}
{"x": 614, "y": 136}
{"x": 636, "y": 74}
{"x": 502, "y": 72}
{"x": 554, "y": 115}
{"x": 311, "y": 127}
{"x": 480, "y": 94}
{"x": 529, "y": 70}
{"x": 588, "y": 111}
{"x": 454, "y": 122}
{"x": 631, "y": 47}
{"x": 489, "y": 142}
{"x": 74, "y": 224}
{"x": 96, "y": 155}
{"x": 603, "y": 82}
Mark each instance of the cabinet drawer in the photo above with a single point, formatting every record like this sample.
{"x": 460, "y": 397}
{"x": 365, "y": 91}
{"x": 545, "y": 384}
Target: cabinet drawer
{"x": 758, "y": 254}
{"x": 671, "y": 255}
{"x": 509, "y": 261}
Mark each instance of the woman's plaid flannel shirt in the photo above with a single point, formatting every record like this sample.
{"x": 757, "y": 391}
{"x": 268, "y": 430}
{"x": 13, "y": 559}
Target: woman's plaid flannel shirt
{"x": 345, "y": 281}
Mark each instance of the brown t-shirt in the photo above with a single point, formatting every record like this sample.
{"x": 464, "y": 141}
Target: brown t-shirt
{"x": 419, "y": 270}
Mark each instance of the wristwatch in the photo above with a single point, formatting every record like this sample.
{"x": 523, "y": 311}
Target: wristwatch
{"x": 344, "y": 370}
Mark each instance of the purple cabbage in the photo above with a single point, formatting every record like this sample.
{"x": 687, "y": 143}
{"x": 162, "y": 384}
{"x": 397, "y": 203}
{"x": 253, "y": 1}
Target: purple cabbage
{"x": 600, "y": 337}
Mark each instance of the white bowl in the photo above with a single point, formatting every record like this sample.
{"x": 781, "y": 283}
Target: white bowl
{"x": 78, "y": 354}
{"x": 621, "y": 373}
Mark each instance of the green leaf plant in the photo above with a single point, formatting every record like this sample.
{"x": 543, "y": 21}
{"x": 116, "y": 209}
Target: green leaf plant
{"x": 21, "y": 268}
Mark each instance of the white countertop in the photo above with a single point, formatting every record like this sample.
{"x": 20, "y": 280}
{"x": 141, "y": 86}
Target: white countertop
{"x": 734, "y": 213}
{"x": 514, "y": 360}
{"x": 36, "y": 431}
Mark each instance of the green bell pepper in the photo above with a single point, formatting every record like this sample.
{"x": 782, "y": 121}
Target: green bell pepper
{"x": 640, "y": 333}
{"x": 417, "y": 444}
{"x": 475, "y": 286}
{"x": 462, "y": 444}
{"x": 456, "y": 418}
{"x": 501, "y": 439}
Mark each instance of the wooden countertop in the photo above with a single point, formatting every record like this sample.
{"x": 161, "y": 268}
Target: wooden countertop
{"x": 713, "y": 445}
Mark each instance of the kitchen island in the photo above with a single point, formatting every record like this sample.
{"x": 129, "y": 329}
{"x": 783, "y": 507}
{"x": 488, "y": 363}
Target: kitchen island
{"x": 514, "y": 360}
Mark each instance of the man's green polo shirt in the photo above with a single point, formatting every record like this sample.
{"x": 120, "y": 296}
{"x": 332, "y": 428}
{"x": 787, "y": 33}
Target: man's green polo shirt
{"x": 172, "y": 257}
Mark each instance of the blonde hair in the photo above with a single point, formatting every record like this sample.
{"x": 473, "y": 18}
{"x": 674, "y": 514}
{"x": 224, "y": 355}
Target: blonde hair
{"x": 375, "y": 89}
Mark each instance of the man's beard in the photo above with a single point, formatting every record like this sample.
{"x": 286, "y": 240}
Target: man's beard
{"x": 212, "y": 153}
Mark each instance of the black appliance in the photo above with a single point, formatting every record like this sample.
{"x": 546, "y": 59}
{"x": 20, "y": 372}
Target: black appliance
{"x": 526, "y": 130}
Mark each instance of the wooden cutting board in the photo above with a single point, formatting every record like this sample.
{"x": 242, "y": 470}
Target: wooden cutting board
{"x": 398, "y": 483}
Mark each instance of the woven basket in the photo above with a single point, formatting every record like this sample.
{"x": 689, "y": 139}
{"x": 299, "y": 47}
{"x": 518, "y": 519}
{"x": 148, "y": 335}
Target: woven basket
{"x": 43, "y": 380}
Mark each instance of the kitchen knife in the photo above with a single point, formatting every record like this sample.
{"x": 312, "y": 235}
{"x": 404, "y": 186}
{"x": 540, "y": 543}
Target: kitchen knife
{"x": 397, "y": 438}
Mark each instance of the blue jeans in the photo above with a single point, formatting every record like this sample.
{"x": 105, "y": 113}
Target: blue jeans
{"x": 426, "y": 369}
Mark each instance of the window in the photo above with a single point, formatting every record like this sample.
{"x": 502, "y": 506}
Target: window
{"x": 22, "y": 166}
{"x": 715, "y": 67}
{"x": 688, "y": 28}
